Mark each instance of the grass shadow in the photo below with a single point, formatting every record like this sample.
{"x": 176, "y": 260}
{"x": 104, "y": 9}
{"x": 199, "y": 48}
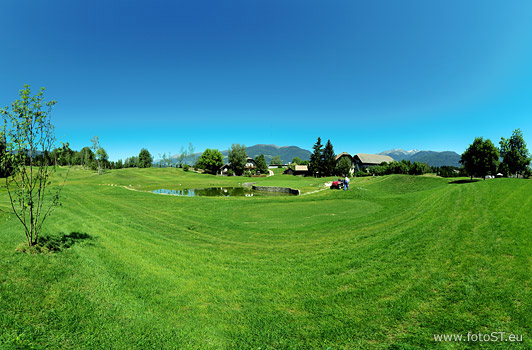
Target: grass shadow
{"x": 57, "y": 243}
{"x": 466, "y": 181}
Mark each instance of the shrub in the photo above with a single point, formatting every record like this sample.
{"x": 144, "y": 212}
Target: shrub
{"x": 247, "y": 173}
{"x": 527, "y": 174}
{"x": 362, "y": 173}
{"x": 230, "y": 172}
{"x": 448, "y": 171}
{"x": 186, "y": 167}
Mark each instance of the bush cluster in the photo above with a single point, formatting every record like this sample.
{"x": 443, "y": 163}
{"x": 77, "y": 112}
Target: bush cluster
{"x": 402, "y": 167}
{"x": 450, "y": 171}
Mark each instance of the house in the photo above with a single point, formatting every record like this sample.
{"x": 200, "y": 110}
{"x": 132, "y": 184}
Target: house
{"x": 346, "y": 155}
{"x": 250, "y": 164}
{"x": 224, "y": 170}
{"x": 299, "y": 170}
{"x": 364, "y": 160}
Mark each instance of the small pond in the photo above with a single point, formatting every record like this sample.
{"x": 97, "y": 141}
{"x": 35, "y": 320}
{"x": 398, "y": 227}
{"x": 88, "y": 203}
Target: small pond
{"x": 219, "y": 192}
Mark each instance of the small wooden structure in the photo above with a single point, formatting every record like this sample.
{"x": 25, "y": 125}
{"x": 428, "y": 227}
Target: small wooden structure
{"x": 299, "y": 170}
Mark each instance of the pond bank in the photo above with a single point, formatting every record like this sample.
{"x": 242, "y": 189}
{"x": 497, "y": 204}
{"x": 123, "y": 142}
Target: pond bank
{"x": 277, "y": 189}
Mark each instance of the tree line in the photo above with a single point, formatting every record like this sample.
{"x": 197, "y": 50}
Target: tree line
{"x": 95, "y": 157}
{"x": 512, "y": 158}
{"x": 212, "y": 160}
{"x": 398, "y": 167}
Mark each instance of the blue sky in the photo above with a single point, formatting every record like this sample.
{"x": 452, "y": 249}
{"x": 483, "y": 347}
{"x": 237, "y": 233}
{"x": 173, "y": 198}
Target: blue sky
{"x": 369, "y": 75}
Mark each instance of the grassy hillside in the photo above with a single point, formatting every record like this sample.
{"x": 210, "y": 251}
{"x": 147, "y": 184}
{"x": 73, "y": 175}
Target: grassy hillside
{"x": 385, "y": 265}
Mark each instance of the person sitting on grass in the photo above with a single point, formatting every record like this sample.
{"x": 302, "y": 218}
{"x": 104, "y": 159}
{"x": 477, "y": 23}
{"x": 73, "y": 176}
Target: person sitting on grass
{"x": 346, "y": 184}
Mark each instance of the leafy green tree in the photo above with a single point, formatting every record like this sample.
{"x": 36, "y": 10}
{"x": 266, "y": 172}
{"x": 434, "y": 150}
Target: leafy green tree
{"x": 329, "y": 159}
{"x": 238, "y": 158}
{"x": 503, "y": 169}
{"x": 316, "y": 159}
{"x": 417, "y": 168}
{"x": 54, "y": 155}
{"x": 95, "y": 147}
{"x": 514, "y": 153}
{"x": 190, "y": 152}
{"x": 67, "y": 155}
{"x": 276, "y": 160}
{"x": 145, "y": 159}
{"x": 4, "y": 166}
{"x": 86, "y": 156}
{"x": 343, "y": 167}
{"x": 131, "y": 162}
{"x": 297, "y": 161}
{"x": 76, "y": 158}
{"x": 396, "y": 167}
{"x": 103, "y": 159}
{"x": 480, "y": 158}
{"x": 183, "y": 153}
{"x": 170, "y": 160}
{"x": 28, "y": 135}
{"x": 527, "y": 174}
{"x": 448, "y": 171}
{"x": 211, "y": 161}
{"x": 262, "y": 166}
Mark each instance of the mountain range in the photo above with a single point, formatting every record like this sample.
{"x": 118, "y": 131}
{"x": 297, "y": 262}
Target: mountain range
{"x": 432, "y": 158}
{"x": 287, "y": 153}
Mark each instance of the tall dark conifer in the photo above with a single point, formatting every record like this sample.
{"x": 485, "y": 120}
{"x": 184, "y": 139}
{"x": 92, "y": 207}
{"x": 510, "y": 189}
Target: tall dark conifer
{"x": 329, "y": 159}
{"x": 316, "y": 159}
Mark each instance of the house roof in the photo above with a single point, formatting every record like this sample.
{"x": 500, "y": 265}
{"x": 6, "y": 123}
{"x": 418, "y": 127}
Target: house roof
{"x": 343, "y": 154}
{"x": 373, "y": 158}
{"x": 301, "y": 168}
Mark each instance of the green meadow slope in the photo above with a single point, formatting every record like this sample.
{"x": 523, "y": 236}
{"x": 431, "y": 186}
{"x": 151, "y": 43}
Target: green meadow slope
{"x": 385, "y": 265}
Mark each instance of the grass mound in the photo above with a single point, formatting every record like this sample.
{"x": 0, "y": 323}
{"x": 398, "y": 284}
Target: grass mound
{"x": 387, "y": 266}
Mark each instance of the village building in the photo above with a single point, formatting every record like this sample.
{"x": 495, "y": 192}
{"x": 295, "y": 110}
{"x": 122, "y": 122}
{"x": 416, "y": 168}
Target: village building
{"x": 364, "y": 160}
{"x": 250, "y": 164}
{"x": 347, "y": 155}
{"x": 299, "y": 170}
{"x": 224, "y": 170}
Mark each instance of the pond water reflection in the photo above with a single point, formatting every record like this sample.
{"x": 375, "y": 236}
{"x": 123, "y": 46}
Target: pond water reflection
{"x": 218, "y": 192}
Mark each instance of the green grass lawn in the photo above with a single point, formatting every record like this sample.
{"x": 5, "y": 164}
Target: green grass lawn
{"x": 385, "y": 265}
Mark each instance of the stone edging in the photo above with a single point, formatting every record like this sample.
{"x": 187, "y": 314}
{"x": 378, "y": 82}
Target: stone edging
{"x": 276, "y": 189}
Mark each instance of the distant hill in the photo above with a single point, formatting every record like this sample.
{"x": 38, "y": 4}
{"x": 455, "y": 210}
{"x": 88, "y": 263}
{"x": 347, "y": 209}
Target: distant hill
{"x": 432, "y": 158}
{"x": 287, "y": 153}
